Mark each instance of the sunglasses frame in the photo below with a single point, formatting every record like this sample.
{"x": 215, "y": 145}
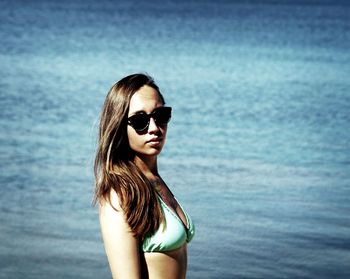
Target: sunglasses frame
{"x": 149, "y": 116}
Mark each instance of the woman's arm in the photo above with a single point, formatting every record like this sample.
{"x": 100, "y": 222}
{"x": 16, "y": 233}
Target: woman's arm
{"x": 121, "y": 246}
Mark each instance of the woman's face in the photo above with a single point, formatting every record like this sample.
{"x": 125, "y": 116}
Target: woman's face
{"x": 150, "y": 141}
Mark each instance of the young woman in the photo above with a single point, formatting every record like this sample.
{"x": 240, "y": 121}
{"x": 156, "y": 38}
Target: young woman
{"x": 145, "y": 230}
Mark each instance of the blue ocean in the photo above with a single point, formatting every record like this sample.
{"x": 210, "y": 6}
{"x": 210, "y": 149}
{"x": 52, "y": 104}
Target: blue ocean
{"x": 258, "y": 148}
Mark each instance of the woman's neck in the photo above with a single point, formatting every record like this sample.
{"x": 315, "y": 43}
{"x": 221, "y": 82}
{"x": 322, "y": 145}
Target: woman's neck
{"x": 148, "y": 166}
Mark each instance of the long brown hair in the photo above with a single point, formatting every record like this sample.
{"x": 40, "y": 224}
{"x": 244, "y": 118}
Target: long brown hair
{"x": 114, "y": 167}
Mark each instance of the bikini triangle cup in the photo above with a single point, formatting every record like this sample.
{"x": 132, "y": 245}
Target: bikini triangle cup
{"x": 171, "y": 235}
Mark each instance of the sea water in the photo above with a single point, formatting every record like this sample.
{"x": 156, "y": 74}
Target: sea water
{"x": 257, "y": 150}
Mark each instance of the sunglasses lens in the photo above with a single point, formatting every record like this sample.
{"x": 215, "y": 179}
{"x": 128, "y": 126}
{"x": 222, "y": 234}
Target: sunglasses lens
{"x": 162, "y": 115}
{"x": 139, "y": 122}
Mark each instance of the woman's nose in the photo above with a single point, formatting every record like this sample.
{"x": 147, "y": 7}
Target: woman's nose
{"x": 152, "y": 126}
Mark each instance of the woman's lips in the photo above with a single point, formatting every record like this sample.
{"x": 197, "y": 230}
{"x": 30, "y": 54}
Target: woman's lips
{"x": 155, "y": 141}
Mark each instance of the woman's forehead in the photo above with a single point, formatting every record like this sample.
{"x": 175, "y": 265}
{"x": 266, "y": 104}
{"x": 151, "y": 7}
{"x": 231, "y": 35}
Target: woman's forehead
{"x": 145, "y": 99}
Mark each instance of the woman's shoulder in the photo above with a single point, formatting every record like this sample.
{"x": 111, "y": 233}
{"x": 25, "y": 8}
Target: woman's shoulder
{"x": 111, "y": 204}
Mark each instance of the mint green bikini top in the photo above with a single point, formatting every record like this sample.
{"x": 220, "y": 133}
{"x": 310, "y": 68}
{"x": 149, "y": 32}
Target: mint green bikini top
{"x": 171, "y": 235}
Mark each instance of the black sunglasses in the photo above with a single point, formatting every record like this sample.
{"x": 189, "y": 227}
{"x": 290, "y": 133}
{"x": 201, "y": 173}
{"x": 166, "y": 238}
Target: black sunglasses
{"x": 140, "y": 121}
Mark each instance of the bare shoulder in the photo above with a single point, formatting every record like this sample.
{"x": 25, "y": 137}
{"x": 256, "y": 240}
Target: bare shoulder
{"x": 112, "y": 217}
{"x": 112, "y": 206}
